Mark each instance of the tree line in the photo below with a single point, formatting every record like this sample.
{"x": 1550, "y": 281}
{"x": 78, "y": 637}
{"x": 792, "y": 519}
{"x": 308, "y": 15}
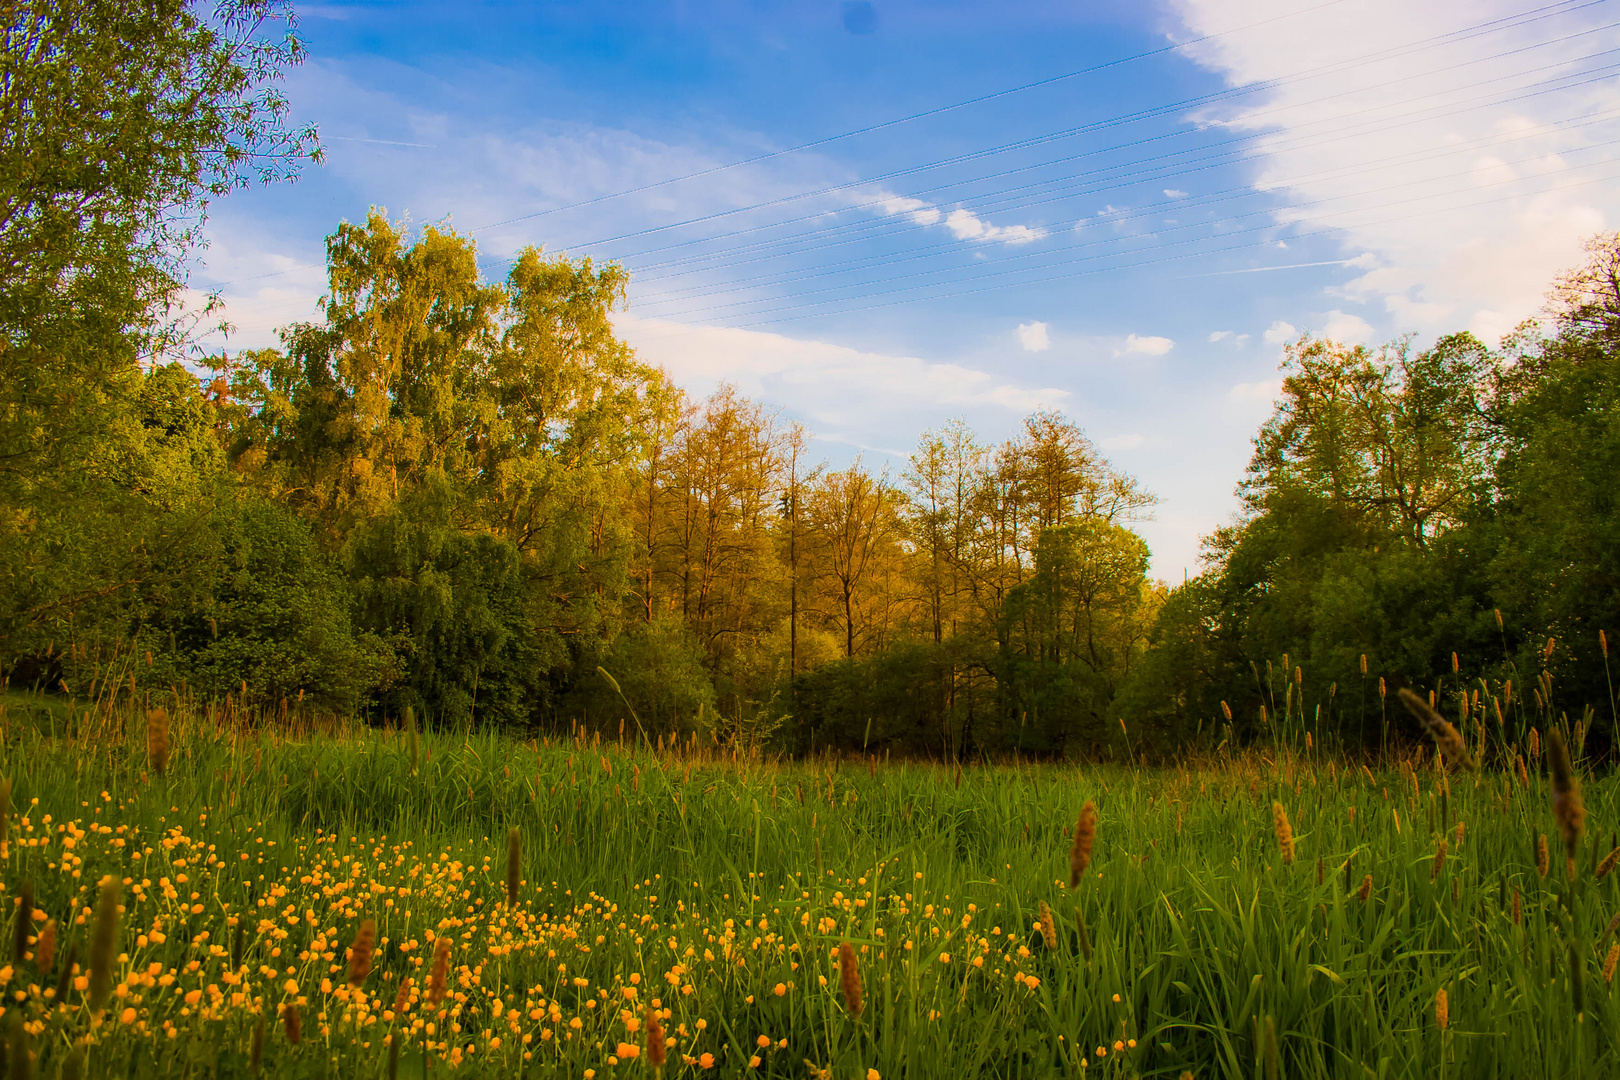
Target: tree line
{"x": 471, "y": 499}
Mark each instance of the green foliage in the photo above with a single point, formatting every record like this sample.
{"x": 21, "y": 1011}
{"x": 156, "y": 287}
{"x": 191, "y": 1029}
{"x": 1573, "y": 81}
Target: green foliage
{"x": 276, "y": 619}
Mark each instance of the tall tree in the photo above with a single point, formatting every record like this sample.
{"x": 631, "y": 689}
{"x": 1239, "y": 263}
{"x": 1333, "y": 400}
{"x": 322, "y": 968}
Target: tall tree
{"x": 118, "y": 123}
{"x": 855, "y": 527}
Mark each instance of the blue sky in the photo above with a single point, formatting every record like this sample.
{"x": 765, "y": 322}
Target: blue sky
{"x": 1191, "y": 184}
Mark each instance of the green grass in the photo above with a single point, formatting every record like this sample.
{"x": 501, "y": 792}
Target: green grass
{"x": 1207, "y": 951}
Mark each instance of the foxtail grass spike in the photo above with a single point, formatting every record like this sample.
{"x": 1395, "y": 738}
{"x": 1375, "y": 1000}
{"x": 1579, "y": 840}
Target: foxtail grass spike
{"x": 104, "y": 944}
{"x": 437, "y": 980}
{"x": 1048, "y": 927}
{"x": 45, "y": 948}
{"x": 849, "y": 980}
{"x": 1569, "y": 810}
{"x": 1442, "y": 1009}
{"x": 1446, "y": 739}
{"x": 256, "y": 1050}
{"x": 1085, "y": 836}
{"x": 25, "y": 922}
{"x": 365, "y": 941}
{"x": 514, "y": 860}
{"x": 5, "y": 817}
{"x": 291, "y": 1023}
{"x": 1285, "y": 831}
{"x": 656, "y": 1049}
{"x": 410, "y": 736}
{"x": 157, "y": 740}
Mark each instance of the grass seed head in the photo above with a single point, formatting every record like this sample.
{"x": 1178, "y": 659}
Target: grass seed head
{"x": 514, "y": 862}
{"x": 655, "y": 1040}
{"x": 1606, "y": 867}
{"x": 438, "y": 979}
{"x": 1365, "y": 892}
{"x": 1439, "y": 859}
{"x": 1048, "y": 926}
{"x": 256, "y": 1052}
{"x": 1442, "y": 1009}
{"x": 157, "y": 740}
{"x": 291, "y": 1023}
{"x": 1285, "y": 831}
{"x": 849, "y": 979}
{"x": 25, "y": 922}
{"x": 402, "y": 1000}
{"x": 1609, "y": 962}
{"x": 45, "y": 947}
{"x": 365, "y": 941}
{"x": 104, "y": 943}
{"x": 1446, "y": 738}
{"x": 1085, "y": 836}
{"x": 1542, "y": 862}
{"x": 1568, "y": 807}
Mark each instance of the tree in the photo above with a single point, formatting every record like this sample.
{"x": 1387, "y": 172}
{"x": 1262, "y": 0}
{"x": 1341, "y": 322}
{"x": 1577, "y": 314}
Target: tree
{"x": 470, "y": 448}
{"x": 1397, "y": 442}
{"x": 118, "y": 123}
{"x": 855, "y": 529}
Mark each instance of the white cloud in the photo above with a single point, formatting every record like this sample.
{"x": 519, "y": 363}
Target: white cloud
{"x": 1265, "y": 390}
{"x": 922, "y": 213}
{"x": 966, "y": 225}
{"x": 1172, "y": 193}
{"x": 1346, "y": 328}
{"x": 844, "y": 394}
{"x": 1122, "y": 442}
{"x": 1147, "y": 346}
{"x": 1219, "y": 335}
{"x": 1033, "y": 337}
{"x": 1463, "y": 210}
{"x": 1279, "y": 332}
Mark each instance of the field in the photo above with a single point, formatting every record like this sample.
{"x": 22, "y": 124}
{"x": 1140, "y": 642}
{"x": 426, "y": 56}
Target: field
{"x": 534, "y": 908}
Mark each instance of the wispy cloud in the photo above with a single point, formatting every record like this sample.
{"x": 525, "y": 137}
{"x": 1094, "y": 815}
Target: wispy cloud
{"x": 963, "y": 223}
{"x": 1495, "y": 198}
{"x": 847, "y": 395}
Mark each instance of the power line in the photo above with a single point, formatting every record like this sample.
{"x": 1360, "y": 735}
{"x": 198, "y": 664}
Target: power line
{"x": 1179, "y": 228}
{"x": 1324, "y": 232}
{"x": 908, "y": 119}
{"x": 1222, "y": 157}
{"x": 1394, "y": 52}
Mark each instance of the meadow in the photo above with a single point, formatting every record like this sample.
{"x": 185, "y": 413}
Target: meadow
{"x": 195, "y": 892}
